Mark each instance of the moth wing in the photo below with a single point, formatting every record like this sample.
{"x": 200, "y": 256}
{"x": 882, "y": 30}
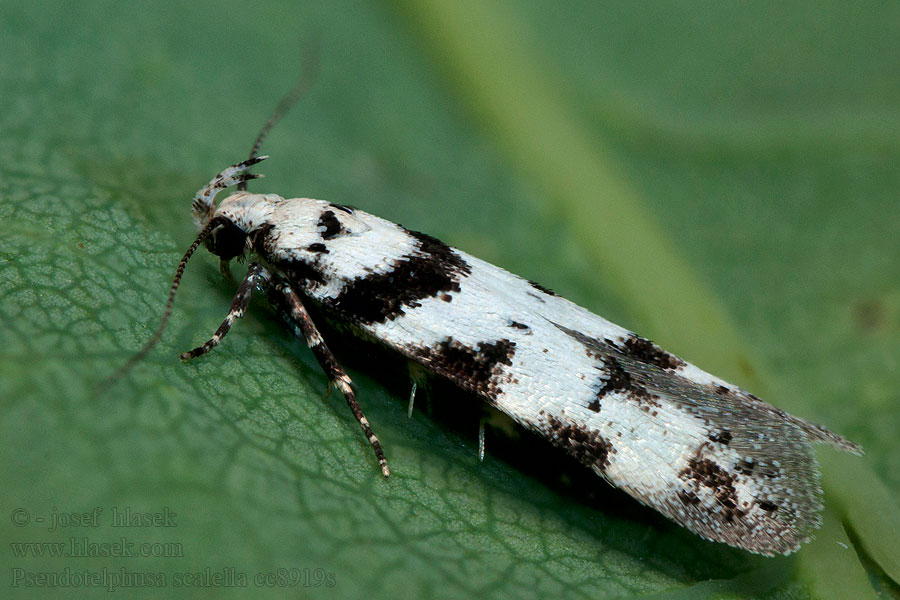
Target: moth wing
{"x": 713, "y": 458}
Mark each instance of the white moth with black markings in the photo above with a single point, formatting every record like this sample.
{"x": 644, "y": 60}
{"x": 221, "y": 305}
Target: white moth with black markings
{"x": 708, "y": 455}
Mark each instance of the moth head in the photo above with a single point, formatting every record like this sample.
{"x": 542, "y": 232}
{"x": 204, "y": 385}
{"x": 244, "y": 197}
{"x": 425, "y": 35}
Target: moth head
{"x": 224, "y": 236}
{"x": 239, "y": 216}
{"x": 203, "y": 206}
{"x": 225, "y": 229}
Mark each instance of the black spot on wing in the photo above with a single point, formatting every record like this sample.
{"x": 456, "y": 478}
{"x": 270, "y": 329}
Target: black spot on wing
{"x": 517, "y": 325}
{"x": 477, "y": 369}
{"x": 300, "y": 273}
{"x": 745, "y": 467}
{"x": 330, "y": 225}
{"x": 634, "y": 369}
{"x": 689, "y": 498}
{"x": 722, "y": 436}
{"x": 646, "y": 351}
{"x": 770, "y": 471}
{"x": 541, "y": 288}
{"x": 318, "y": 248}
{"x": 706, "y": 473}
{"x": 617, "y": 378}
{"x": 341, "y": 207}
{"x": 433, "y": 269}
{"x": 583, "y": 443}
{"x": 618, "y": 373}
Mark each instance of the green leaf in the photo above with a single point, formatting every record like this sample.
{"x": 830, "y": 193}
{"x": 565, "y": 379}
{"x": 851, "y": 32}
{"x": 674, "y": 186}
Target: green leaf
{"x": 744, "y": 159}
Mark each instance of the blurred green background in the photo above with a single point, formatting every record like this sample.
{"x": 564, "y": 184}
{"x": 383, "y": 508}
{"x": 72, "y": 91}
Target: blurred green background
{"x": 721, "y": 178}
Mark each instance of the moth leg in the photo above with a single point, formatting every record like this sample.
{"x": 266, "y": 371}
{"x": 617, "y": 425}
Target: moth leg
{"x": 256, "y": 274}
{"x": 329, "y": 364}
{"x": 481, "y": 422}
{"x": 418, "y": 377}
{"x": 225, "y": 269}
{"x": 412, "y": 399}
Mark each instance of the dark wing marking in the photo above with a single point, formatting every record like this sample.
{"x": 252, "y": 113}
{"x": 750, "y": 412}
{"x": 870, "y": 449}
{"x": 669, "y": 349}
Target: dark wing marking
{"x": 478, "y": 369}
{"x": 541, "y": 288}
{"x": 330, "y": 225}
{"x": 434, "y": 269}
{"x": 751, "y": 480}
{"x": 583, "y": 443}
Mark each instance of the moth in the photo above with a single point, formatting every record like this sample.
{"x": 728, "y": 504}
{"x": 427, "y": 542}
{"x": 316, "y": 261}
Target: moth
{"x": 704, "y": 453}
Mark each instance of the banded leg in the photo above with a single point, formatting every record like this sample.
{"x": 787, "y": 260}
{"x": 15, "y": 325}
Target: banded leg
{"x": 333, "y": 370}
{"x": 256, "y": 274}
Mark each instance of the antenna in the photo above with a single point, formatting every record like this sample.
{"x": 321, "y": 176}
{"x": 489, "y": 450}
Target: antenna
{"x": 307, "y": 77}
{"x": 157, "y": 335}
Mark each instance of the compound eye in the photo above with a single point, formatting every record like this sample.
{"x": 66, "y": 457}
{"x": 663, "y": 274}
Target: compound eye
{"x": 227, "y": 241}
